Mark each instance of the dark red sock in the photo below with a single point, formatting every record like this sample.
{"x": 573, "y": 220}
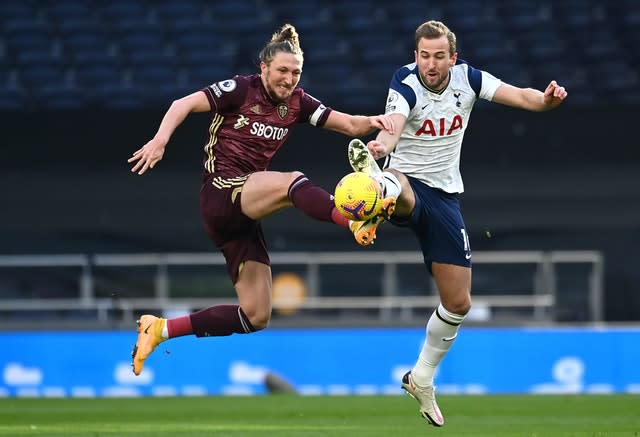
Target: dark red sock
{"x": 220, "y": 320}
{"x": 339, "y": 219}
{"x": 311, "y": 199}
{"x": 179, "y": 326}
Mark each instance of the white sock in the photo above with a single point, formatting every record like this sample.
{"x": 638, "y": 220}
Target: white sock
{"x": 391, "y": 185}
{"x": 442, "y": 330}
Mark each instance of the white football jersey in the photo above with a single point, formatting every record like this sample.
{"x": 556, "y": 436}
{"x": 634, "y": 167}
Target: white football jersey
{"x": 431, "y": 141}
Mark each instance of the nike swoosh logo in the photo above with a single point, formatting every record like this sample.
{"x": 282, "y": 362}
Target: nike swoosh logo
{"x": 449, "y": 339}
{"x": 467, "y": 256}
{"x": 146, "y": 330}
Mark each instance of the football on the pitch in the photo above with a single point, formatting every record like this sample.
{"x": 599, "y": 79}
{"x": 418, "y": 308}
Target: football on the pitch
{"x": 358, "y": 196}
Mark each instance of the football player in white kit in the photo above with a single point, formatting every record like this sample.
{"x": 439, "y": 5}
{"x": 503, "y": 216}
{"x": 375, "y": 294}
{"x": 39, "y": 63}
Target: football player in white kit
{"x": 430, "y": 101}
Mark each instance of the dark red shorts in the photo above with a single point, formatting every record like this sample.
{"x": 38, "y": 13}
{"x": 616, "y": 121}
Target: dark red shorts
{"x": 238, "y": 237}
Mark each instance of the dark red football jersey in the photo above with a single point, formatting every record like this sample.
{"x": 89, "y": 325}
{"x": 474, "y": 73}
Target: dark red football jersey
{"x": 248, "y": 128}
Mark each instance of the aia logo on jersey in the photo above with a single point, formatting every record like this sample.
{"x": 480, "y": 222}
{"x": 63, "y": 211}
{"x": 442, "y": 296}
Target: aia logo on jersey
{"x": 283, "y": 110}
{"x": 439, "y": 128}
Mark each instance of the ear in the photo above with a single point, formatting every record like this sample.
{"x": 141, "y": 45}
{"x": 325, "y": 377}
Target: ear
{"x": 453, "y": 59}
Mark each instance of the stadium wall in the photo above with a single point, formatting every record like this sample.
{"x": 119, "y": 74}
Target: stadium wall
{"x": 320, "y": 362}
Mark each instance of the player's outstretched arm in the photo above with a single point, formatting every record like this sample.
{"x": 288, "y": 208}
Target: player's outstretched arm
{"x": 529, "y": 98}
{"x": 358, "y": 125}
{"x": 152, "y": 152}
{"x": 386, "y": 141}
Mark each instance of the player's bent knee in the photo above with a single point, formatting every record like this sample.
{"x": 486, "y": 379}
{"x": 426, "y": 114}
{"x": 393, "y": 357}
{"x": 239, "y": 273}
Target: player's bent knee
{"x": 258, "y": 317}
{"x": 260, "y": 322}
{"x": 459, "y": 306}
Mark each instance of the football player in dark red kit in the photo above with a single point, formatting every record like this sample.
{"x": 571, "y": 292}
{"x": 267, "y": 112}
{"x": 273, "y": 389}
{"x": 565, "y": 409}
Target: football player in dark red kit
{"x": 252, "y": 117}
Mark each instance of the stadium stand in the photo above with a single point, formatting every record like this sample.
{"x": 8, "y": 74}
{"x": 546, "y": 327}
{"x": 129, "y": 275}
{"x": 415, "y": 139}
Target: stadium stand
{"x": 166, "y": 48}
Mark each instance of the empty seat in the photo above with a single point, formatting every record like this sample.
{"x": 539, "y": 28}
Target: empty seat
{"x": 487, "y": 42}
{"x": 150, "y": 77}
{"x": 94, "y": 76}
{"x": 116, "y": 10}
{"x": 62, "y": 10}
{"x": 525, "y": 15}
{"x": 171, "y": 46}
{"x": 577, "y": 15}
{"x": 27, "y": 34}
{"x": 117, "y": 97}
{"x": 239, "y": 18}
{"x": 16, "y": 11}
{"x": 60, "y": 97}
{"x": 171, "y": 12}
{"x": 38, "y": 67}
{"x": 204, "y": 75}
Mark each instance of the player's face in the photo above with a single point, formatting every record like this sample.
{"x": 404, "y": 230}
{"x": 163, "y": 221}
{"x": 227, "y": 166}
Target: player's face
{"x": 433, "y": 60}
{"x": 282, "y": 75}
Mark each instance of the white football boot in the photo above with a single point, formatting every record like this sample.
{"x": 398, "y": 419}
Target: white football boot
{"x": 362, "y": 161}
{"x": 426, "y": 397}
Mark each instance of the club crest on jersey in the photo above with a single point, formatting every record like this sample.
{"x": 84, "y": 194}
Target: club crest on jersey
{"x": 241, "y": 122}
{"x": 227, "y": 85}
{"x": 458, "y": 102}
{"x": 283, "y": 110}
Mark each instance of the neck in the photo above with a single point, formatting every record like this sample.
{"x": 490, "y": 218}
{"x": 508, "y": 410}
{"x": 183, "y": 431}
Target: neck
{"x": 436, "y": 91}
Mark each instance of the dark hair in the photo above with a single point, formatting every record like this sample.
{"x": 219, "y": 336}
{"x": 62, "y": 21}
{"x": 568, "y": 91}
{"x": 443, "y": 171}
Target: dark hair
{"x": 433, "y": 29}
{"x": 284, "y": 40}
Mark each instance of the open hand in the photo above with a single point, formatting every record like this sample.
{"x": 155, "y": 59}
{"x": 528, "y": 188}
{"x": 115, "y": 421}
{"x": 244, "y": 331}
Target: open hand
{"x": 382, "y": 122}
{"x": 147, "y": 156}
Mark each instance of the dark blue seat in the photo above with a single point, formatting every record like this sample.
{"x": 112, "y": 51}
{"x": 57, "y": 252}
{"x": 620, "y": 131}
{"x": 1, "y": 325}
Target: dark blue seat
{"x": 93, "y": 76}
{"x": 238, "y": 18}
{"x": 204, "y": 75}
{"x": 62, "y": 10}
{"x": 118, "y": 97}
{"x": 172, "y": 12}
{"x": 27, "y": 35}
{"x": 38, "y": 66}
{"x": 16, "y": 10}
{"x": 61, "y": 97}
{"x": 116, "y": 10}
{"x": 525, "y": 15}
{"x": 152, "y": 76}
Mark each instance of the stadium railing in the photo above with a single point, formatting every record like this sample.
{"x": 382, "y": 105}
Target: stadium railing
{"x": 357, "y": 288}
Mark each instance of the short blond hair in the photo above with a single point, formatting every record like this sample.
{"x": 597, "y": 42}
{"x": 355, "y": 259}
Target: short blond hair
{"x": 434, "y": 29}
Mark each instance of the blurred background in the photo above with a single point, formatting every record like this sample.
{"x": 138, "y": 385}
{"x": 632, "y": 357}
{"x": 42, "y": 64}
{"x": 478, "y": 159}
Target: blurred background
{"x": 552, "y": 200}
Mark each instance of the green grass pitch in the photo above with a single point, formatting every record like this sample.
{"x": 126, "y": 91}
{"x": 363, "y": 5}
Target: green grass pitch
{"x": 335, "y": 416}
